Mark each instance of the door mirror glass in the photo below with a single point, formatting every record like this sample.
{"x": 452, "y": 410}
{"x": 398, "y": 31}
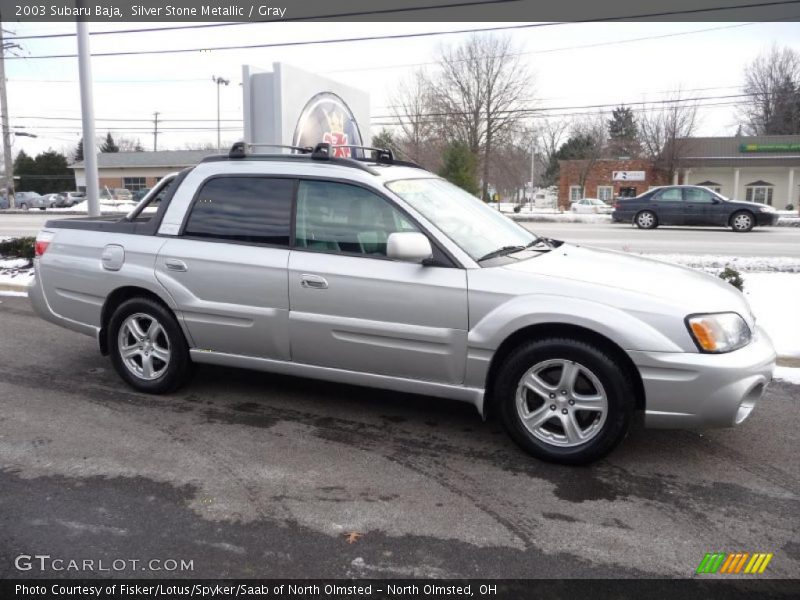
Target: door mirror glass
{"x": 409, "y": 246}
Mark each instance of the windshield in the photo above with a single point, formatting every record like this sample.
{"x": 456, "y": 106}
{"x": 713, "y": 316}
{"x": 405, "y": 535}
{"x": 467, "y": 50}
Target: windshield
{"x": 473, "y": 226}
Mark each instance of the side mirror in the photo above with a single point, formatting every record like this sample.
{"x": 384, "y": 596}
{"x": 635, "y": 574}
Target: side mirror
{"x": 409, "y": 246}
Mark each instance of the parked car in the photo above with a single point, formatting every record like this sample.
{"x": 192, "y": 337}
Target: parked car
{"x": 139, "y": 194}
{"x": 27, "y": 200}
{"x": 385, "y": 275}
{"x": 68, "y": 199}
{"x": 46, "y": 201}
{"x": 3, "y": 201}
{"x": 590, "y": 205}
{"x": 123, "y": 195}
{"x": 692, "y": 205}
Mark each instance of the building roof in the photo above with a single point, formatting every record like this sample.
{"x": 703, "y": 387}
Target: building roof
{"x": 171, "y": 159}
{"x": 740, "y": 150}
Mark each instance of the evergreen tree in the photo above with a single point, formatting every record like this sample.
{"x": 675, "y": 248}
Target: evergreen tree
{"x": 78, "y": 155}
{"x": 52, "y": 173}
{"x": 623, "y": 133}
{"x": 577, "y": 147}
{"x": 138, "y": 147}
{"x": 24, "y": 167}
{"x": 460, "y": 167}
{"x": 385, "y": 141}
{"x": 109, "y": 145}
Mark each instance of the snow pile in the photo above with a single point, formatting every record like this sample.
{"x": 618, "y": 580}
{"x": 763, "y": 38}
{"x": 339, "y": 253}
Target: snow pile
{"x": 106, "y": 206}
{"x": 713, "y": 263}
{"x": 773, "y": 298}
{"x": 788, "y": 374}
{"x": 15, "y": 272}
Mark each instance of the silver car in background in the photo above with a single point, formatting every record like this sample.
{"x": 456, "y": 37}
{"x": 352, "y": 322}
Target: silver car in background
{"x": 377, "y": 273}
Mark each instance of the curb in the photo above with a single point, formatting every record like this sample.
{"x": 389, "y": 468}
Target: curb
{"x": 14, "y": 287}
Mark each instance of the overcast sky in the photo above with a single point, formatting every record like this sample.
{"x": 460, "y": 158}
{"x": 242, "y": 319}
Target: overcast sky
{"x": 574, "y": 65}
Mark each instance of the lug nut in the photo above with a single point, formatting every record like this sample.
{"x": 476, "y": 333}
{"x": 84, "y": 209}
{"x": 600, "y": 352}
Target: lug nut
{"x": 552, "y": 407}
{"x": 571, "y": 402}
{"x": 564, "y": 411}
{"x": 552, "y": 395}
{"x": 563, "y": 392}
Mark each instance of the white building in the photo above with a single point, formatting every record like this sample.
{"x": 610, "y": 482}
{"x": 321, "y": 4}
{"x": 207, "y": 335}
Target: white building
{"x": 762, "y": 169}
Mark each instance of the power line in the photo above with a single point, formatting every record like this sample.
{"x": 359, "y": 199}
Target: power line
{"x": 413, "y": 35}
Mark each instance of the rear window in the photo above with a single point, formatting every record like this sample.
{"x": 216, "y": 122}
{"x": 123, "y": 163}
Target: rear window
{"x": 243, "y": 209}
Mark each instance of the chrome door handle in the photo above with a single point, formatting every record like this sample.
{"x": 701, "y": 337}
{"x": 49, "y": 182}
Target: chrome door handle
{"x": 313, "y": 281}
{"x": 173, "y": 264}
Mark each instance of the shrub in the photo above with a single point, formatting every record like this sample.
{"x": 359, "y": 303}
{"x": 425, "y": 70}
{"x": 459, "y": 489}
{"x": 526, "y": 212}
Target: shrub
{"x": 733, "y": 277}
{"x": 18, "y": 248}
{"x": 789, "y": 207}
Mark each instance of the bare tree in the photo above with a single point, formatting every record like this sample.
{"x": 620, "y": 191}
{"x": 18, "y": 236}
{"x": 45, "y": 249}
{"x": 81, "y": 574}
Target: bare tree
{"x": 478, "y": 91}
{"x": 413, "y": 105}
{"x": 551, "y": 134}
{"x": 664, "y": 131}
{"x": 772, "y": 82}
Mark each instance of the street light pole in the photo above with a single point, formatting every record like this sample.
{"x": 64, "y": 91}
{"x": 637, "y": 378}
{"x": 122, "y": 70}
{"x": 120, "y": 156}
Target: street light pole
{"x": 87, "y": 116}
{"x": 533, "y": 161}
{"x": 7, "y": 158}
{"x": 219, "y": 81}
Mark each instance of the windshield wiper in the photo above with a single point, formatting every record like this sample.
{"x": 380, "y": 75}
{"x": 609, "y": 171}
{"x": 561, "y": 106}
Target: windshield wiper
{"x": 501, "y": 252}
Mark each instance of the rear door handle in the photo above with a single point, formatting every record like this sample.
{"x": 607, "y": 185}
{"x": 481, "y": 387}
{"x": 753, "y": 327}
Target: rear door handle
{"x": 313, "y": 281}
{"x": 173, "y": 264}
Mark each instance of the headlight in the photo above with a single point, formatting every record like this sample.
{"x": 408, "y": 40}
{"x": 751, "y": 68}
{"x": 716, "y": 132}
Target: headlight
{"x": 720, "y": 332}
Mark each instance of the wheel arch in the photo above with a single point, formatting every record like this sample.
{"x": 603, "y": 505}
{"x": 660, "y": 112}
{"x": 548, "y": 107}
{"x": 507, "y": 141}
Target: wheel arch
{"x": 553, "y": 329}
{"x": 115, "y": 299}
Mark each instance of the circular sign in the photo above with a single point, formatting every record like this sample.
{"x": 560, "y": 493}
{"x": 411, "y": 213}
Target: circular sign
{"x": 326, "y": 118}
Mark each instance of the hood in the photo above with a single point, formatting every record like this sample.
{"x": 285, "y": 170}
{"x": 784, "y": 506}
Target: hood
{"x": 754, "y": 206}
{"x": 689, "y": 289}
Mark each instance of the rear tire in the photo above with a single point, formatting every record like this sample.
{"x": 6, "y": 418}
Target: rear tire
{"x": 742, "y": 221}
{"x": 24, "y": 207}
{"x": 564, "y": 400}
{"x": 147, "y": 347}
{"x": 646, "y": 219}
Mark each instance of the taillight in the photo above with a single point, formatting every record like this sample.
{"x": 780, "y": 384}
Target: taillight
{"x": 617, "y": 206}
{"x": 42, "y": 242}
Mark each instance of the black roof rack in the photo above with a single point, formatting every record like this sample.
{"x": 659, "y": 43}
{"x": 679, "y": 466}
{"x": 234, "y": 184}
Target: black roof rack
{"x": 321, "y": 152}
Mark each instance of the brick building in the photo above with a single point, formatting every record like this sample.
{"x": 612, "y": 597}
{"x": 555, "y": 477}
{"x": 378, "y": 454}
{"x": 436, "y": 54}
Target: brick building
{"x": 137, "y": 170}
{"x": 606, "y": 179}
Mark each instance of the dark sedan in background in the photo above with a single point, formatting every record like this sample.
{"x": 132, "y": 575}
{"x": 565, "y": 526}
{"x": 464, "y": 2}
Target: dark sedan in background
{"x": 691, "y": 205}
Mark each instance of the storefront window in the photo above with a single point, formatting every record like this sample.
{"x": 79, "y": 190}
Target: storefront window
{"x": 761, "y": 194}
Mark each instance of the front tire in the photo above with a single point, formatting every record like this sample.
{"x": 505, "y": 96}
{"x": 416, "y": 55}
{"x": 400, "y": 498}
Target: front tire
{"x": 742, "y": 221}
{"x": 646, "y": 220}
{"x": 147, "y": 347}
{"x": 564, "y": 400}
{"x": 24, "y": 207}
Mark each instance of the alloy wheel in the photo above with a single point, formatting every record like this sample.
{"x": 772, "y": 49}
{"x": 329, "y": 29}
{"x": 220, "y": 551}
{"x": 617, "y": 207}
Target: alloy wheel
{"x": 144, "y": 346}
{"x": 561, "y": 403}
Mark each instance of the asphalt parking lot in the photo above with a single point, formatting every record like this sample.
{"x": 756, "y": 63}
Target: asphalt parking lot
{"x": 253, "y": 475}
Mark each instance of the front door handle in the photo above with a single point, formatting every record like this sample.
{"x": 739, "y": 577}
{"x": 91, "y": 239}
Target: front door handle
{"x": 313, "y": 281}
{"x": 173, "y": 264}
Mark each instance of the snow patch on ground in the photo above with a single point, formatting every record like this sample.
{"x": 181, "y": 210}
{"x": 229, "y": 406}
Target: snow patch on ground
{"x": 788, "y": 374}
{"x": 713, "y": 263}
{"x": 773, "y": 298}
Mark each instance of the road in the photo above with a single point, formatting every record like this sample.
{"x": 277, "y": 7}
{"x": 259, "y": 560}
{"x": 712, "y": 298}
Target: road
{"x": 767, "y": 241}
{"x": 774, "y": 241}
{"x": 254, "y": 475}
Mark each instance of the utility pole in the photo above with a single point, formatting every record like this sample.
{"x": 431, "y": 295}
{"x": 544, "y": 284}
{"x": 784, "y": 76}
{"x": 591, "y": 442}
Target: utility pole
{"x": 219, "y": 81}
{"x": 533, "y": 162}
{"x": 155, "y": 131}
{"x": 7, "y": 158}
{"x": 87, "y": 115}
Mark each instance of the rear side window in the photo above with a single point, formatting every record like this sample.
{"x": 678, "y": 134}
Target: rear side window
{"x": 243, "y": 209}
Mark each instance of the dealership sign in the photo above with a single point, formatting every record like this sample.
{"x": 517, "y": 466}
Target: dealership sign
{"x": 769, "y": 148}
{"x": 627, "y": 175}
{"x": 291, "y": 107}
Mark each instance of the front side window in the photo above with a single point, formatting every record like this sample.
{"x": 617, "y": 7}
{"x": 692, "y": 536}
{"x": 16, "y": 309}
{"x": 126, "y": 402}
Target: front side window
{"x": 472, "y": 225}
{"x": 698, "y": 196}
{"x": 243, "y": 209}
{"x": 670, "y": 195}
{"x": 338, "y": 217}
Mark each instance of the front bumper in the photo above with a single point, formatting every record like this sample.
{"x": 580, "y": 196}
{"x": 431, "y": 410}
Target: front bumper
{"x": 705, "y": 390}
{"x": 767, "y": 218}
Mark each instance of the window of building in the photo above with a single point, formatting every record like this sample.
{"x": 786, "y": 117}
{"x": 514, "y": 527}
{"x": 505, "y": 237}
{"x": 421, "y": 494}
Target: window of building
{"x": 759, "y": 191}
{"x": 337, "y": 217}
{"x": 244, "y": 209}
{"x": 134, "y": 183}
{"x": 575, "y": 193}
{"x": 712, "y": 185}
{"x": 605, "y": 193}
